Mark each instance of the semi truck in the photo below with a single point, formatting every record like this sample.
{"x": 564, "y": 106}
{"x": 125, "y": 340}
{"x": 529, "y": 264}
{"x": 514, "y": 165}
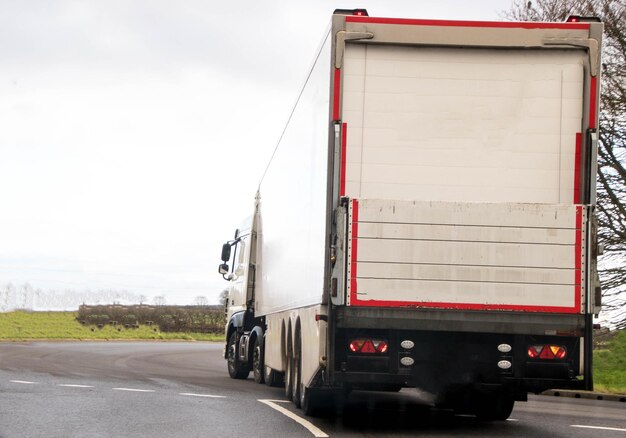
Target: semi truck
{"x": 427, "y": 217}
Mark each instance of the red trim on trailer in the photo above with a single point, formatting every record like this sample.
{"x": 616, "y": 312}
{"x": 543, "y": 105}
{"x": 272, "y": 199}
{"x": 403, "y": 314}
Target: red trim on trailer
{"x": 344, "y": 143}
{"x": 355, "y": 233}
{"x": 457, "y": 23}
{"x": 577, "y": 156}
{"x": 337, "y": 94}
{"x": 593, "y": 96}
{"x": 578, "y": 249}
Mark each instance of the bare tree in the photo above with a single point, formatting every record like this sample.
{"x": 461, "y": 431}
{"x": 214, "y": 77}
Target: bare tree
{"x": 142, "y": 299}
{"x": 8, "y": 293}
{"x": 26, "y": 296}
{"x": 612, "y": 150}
{"x": 159, "y": 300}
{"x": 201, "y": 300}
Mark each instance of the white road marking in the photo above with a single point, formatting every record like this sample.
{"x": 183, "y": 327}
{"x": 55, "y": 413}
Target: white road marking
{"x": 23, "y": 381}
{"x": 511, "y": 419}
{"x": 201, "y": 395}
{"x": 598, "y": 427}
{"x": 67, "y": 385}
{"x": 317, "y": 432}
{"x": 133, "y": 390}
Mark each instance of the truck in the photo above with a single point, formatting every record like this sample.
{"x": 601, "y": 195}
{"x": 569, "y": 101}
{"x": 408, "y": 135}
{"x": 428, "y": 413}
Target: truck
{"x": 427, "y": 218}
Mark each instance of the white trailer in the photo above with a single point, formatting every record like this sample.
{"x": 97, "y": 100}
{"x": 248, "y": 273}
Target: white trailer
{"x": 427, "y": 218}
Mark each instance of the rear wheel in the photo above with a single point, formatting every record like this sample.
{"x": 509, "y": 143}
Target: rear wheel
{"x": 236, "y": 368}
{"x": 311, "y": 401}
{"x": 288, "y": 377}
{"x": 257, "y": 361}
{"x": 297, "y": 380}
{"x": 273, "y": 377}
{"x": 258, "y": 366}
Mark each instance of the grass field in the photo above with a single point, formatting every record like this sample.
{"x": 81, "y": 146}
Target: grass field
{"x": 610, "y": 365}
{"x": 20, "y": 326}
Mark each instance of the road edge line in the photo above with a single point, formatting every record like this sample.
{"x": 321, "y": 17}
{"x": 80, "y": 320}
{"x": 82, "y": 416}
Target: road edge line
{"x": 582, "y": 426}
{"x": 133, "y": 390}
{"x": 316, "y": 431}
{"x": 191, "y": 394}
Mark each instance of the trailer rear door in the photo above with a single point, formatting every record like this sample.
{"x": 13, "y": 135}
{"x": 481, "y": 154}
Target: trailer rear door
{"x": 462, "y": 151}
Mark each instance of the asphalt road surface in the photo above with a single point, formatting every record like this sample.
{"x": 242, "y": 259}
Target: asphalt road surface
{"x": 150, "y": 389}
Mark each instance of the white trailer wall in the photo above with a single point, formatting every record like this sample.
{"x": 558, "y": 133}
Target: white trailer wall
{"x": 292, "y": 213}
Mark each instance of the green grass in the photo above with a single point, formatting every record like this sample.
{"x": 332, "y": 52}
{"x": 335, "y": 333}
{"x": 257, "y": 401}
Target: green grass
{"x": 609, "y": 372}
{"x": 22, "y": 326}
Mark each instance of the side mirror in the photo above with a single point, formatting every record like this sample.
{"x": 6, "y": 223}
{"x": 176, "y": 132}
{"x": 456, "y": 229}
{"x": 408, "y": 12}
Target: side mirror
{"x": 223, "y": 269}
{"x": 226, "y": 252}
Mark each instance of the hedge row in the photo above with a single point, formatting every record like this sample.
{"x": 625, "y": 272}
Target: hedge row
{"x": 196, "y": 319}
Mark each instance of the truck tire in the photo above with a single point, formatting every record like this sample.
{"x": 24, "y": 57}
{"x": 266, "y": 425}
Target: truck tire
{"x": 273, "y": 377}
{"x": 289, "y": 377}
{"x": 258, "y": 363}
{"x": 494, "y": 407}
{"x": 297, "y": 381}
{"x": 310, "y": 401}
{"x": 236, "y": 368}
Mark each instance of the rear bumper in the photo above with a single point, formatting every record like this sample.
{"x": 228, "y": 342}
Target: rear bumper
{"x": 444, "y": 360}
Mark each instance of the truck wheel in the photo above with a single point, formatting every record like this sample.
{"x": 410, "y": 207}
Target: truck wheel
{"x": 297, "y": 381}
{"x": 236, "y": 368}
{"x": 273, "y": 377}
{"x": 310, "y": 401}
{"x": 289, "y": 377}
{"x": 258, "y": 365}
{"x": 494, "y": 407}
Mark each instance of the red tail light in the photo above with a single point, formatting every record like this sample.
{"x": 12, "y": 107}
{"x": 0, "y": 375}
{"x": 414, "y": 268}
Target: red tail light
{"x": 368, "y": 346}
{"x": 356, "y": 345}
{"x": 357, "y": 12}
{"x": 549, "y": 352}
{"x": 381, "y": 346}
{"x": 583, "y": 19}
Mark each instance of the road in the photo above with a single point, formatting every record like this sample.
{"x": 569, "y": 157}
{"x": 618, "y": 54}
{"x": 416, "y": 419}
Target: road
{"x": 152, "y": 389}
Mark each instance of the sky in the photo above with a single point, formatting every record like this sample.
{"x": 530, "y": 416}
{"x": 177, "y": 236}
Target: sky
{"x": 133, "y": 134}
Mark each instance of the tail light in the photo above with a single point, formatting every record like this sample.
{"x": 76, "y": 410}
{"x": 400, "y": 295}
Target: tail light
{"x": 368, "y": 346}
{"x": 356, "y": 12}
{"x": 549, "y": 352}
{"x": 582, "y": 19}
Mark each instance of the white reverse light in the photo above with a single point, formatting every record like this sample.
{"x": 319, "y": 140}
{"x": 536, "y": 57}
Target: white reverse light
{"x": 407, "y": 361}
{"x": 504, "y": 364}
{"x": 407, "y": 344}
{"x": 504, "y": 348}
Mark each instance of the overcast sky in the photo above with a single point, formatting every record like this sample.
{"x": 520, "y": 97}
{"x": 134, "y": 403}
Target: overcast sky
{"x": 133, "y": 133}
